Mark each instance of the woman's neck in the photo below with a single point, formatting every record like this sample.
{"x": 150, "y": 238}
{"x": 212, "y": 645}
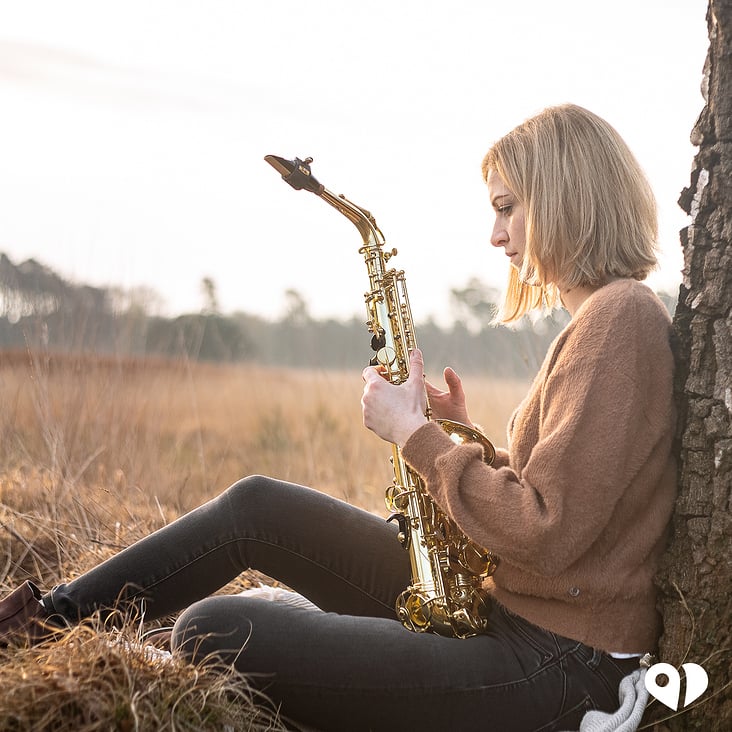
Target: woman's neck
{"x": 573, "y": 298}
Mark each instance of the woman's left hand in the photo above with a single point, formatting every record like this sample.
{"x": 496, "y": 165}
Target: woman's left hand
{"x": 449, "y": 404}
{"x": 392, "y": 411}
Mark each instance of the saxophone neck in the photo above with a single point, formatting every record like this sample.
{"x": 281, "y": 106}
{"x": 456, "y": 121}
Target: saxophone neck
{"x": 387, "y": 305}
{"x": 360, "y": 217}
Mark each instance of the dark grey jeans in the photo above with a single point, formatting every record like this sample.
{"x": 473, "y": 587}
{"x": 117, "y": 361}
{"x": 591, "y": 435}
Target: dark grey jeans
{"x": 352, "y": 666}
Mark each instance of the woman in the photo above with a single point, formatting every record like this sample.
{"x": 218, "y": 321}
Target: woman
{"x": 576, "y": 508}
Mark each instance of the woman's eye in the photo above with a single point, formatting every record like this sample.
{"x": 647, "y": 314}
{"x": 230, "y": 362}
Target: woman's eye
{"x": 505, "y": 210}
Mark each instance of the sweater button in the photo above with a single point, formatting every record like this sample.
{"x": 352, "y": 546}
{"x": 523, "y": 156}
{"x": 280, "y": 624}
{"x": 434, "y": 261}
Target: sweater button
{"x": 574, "y": 591}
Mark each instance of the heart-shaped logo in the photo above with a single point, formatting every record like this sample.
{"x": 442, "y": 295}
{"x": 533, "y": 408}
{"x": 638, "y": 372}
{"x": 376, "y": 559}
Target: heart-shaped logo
{"x": 668, "y": 694}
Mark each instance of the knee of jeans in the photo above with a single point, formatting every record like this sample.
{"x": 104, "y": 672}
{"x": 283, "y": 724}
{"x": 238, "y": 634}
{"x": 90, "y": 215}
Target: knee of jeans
{"x": 207, "y": 632}
{"x": 249, "y": 492}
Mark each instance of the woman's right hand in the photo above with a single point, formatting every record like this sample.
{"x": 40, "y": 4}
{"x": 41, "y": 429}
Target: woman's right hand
{"x": 449, "y": 404}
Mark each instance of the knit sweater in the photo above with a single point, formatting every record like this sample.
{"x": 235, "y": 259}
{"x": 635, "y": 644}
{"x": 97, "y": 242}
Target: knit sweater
{"x": 578, "y": 507}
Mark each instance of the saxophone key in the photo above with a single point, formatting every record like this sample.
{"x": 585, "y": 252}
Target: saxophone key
{"x": 403, "y": 535}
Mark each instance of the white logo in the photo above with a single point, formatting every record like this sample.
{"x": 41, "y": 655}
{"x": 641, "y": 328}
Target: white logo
{"x": 668, "y": 694}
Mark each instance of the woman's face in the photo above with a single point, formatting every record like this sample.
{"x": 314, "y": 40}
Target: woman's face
{"x": 509, "y": 230}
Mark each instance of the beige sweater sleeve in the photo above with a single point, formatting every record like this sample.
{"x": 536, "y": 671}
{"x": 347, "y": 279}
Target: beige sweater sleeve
{"x": 501, "y": 459}
{"x": 591, "y": 420}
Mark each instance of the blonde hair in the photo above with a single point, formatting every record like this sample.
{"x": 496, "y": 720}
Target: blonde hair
{"x": 589, "y": 210}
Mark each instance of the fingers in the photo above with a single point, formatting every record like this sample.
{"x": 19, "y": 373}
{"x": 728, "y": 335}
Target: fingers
{"x": 416, "y": 368}
{"x": 367, "y": 373}
{"x": 416, "y": 365}
{"x": 433, "y": 390}
{"x": 454, "y": 384}
{"x": 373, "y": 373}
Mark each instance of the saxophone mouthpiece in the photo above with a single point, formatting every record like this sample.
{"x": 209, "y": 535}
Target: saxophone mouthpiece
{"x": 296, "y": 172}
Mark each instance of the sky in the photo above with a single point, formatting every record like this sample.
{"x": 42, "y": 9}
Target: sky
{"x": 133, "y": 135}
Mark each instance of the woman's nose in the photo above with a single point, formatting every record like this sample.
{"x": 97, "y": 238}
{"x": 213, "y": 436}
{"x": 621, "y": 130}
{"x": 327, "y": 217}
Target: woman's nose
{"x": 499, "y": 235}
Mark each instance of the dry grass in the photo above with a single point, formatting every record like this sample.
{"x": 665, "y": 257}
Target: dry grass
{"x": 96, "y": 453}
{"x": 90, "y": 680}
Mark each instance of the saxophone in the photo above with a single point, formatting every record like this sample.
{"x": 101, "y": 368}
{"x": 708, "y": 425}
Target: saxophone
{"x": 445, "y": 595}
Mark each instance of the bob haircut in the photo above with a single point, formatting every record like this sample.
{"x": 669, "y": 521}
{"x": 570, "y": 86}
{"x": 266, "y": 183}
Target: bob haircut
{"x": 590, "y": 212}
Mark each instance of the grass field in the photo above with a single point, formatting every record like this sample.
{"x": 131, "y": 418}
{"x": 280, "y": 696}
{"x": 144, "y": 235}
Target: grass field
{"x": 97, "y": 452}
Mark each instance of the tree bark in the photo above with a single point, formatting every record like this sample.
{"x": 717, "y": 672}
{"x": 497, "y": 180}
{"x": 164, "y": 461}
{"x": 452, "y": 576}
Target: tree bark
{"x": 696, "y": 577}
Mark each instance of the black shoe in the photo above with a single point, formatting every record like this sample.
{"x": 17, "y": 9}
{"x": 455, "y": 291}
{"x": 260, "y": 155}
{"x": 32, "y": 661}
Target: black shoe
{"x": 24, "y": 617}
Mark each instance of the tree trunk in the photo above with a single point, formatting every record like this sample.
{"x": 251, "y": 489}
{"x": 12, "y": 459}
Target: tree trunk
{"x": 696, "y": 578}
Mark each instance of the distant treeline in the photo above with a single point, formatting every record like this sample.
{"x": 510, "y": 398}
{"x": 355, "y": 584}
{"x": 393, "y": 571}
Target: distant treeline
{"x": 41, "y": 310}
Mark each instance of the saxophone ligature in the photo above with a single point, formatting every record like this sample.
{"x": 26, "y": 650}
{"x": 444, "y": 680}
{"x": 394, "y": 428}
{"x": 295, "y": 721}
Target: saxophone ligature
{"x": 445, "y": 595}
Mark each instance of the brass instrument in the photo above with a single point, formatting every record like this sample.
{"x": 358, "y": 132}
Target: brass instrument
{"x": 445, "y": 594}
